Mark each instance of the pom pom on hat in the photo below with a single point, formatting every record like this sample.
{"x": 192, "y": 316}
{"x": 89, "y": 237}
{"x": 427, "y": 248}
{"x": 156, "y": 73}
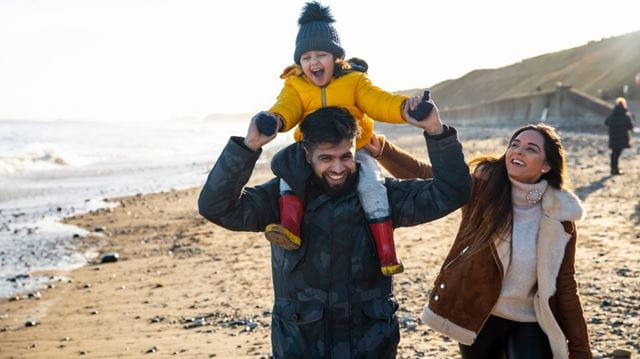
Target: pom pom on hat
{"x": 314, "y": 11}
{"x": 316, "y": 32}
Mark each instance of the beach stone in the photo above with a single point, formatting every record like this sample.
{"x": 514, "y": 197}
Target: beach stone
{"x": 251, "y": 325}
{"x": 109, "y": 258}
{"x": 621, "y": 354}
{"x": 30, "y": 323}
{"x": 411, "y": 326}
{"x": 19, "y": 277}
{"x": 158, "y": 319}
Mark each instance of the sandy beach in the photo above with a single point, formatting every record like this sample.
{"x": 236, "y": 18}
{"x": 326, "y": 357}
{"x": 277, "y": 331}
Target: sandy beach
{"x": 184, "y": 287}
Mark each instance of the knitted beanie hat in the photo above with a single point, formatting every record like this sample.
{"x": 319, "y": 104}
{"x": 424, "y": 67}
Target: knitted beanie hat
{"x": 316, "y": 32}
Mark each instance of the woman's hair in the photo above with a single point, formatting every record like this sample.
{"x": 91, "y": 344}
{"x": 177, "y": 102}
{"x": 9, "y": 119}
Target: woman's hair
{"x": 489, "y": 211}
{"x": 621, "y": 102}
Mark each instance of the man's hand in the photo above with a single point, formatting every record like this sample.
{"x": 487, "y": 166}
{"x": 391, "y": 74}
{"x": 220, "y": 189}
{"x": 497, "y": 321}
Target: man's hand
{"x": 268, "y": 123}
{"x": 431, "y": 125}
{"x": 254, "y": 139}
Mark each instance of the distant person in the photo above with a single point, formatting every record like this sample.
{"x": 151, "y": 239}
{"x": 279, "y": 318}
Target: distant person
{"x": 507, "y": 286}
{"x": 321, "y": 77}
{"x": 620, "y": 124}
{"x": 331, "y": 300}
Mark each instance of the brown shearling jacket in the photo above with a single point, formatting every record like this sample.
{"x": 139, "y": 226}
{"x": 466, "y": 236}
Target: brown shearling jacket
{"x": 469, "y": 282}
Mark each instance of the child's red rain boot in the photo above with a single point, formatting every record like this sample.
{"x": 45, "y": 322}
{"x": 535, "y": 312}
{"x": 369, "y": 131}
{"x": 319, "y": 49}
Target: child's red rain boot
{"x": 383, "y": 236}
{"x": 287, "y": 233}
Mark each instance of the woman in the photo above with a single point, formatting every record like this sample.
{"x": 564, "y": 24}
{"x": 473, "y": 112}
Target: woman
{"x": 507, "y": 286}
{"x": 619, "y": 123}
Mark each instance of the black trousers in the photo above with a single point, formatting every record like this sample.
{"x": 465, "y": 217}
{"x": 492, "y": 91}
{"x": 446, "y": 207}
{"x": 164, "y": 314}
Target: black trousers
{"x": 503, "y": 338}
{"x": 615, "y": 155}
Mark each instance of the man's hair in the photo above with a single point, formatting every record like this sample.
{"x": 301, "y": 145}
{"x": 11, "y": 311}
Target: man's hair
{"x": 328, "y": 125}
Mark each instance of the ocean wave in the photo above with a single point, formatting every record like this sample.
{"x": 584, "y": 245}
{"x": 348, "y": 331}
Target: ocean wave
{"x": 32, "y": 160}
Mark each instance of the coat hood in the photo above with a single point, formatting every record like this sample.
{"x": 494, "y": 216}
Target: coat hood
{"x": 291, "y": 165}
{"x": 619, "y": 110}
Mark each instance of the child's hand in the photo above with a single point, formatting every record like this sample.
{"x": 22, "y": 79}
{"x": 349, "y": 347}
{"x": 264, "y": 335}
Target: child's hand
{"x": 410, "y": 104}
{"x": 423, "y": 108}
{"x": 255, "y": 139}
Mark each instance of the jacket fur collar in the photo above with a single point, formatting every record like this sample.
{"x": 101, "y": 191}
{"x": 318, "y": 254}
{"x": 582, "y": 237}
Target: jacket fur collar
{"x": 561, "y": 205}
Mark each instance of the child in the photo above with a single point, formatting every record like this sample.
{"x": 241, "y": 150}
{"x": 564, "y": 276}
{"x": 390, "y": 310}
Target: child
{"x": 322, "y": 78}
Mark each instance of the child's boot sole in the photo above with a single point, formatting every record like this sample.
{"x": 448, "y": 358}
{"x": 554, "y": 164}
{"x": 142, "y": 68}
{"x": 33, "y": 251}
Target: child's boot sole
{"x": 282, "y": 237}
{"x": 392, "y": 269}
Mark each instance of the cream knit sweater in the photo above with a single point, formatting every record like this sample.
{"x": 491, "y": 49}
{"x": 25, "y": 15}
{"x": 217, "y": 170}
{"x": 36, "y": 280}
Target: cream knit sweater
{"x": 520, "y": 280}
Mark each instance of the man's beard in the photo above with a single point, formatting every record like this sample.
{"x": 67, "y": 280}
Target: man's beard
{"x": 346, "y": 186}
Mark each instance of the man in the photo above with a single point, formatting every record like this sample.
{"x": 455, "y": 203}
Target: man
{"x": 331, "y": 299}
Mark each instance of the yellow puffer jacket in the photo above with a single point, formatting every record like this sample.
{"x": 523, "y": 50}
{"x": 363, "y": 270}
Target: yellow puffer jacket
{"x": 352, "y": 91}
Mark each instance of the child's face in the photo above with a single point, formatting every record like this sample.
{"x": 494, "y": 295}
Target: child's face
{"x": 317, "y": 66}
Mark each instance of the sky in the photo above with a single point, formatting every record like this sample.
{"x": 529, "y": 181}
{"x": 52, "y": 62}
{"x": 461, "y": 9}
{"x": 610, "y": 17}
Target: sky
{"x": 151, "y": 60}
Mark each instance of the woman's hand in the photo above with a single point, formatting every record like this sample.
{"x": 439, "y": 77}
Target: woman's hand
{"x": 375, "y": 146}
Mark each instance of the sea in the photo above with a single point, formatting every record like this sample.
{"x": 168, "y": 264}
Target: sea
{"x": 50, "y": 170}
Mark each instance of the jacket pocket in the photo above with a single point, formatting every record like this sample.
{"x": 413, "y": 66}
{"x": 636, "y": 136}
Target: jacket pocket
{"x": 380, "y": 309}
{"x": 376, "y": 331}
{"x": 297, "y": 329}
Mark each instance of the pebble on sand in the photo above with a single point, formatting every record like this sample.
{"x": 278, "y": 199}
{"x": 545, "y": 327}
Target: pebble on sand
{"x": 621, "y": 354}
{"x": 109, "y": 258}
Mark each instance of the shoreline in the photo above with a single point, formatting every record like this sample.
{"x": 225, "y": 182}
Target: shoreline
{"x": 175, "y": 268}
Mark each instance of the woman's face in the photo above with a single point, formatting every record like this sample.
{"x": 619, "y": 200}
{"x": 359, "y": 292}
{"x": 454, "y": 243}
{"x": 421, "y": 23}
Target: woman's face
{"x": 525, "y": 157}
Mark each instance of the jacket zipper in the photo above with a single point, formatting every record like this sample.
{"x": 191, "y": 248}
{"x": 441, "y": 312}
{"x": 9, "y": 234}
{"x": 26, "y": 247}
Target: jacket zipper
{"x": 324, "y": 97}
{"x": 456, "y": 258}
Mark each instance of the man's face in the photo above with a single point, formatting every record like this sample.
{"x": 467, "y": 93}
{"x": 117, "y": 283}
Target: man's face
{"x": 334, "y": 164}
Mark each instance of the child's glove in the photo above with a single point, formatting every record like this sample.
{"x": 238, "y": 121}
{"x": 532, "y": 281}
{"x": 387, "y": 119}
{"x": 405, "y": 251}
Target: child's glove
{"x": 424, "y": 108}
{"x": 267, "y": 123}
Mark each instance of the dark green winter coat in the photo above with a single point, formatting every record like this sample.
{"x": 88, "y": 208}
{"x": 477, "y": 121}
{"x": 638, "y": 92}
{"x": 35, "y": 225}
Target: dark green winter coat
{"x": 619, "y": 123}
{"x": 331, "y": 300}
